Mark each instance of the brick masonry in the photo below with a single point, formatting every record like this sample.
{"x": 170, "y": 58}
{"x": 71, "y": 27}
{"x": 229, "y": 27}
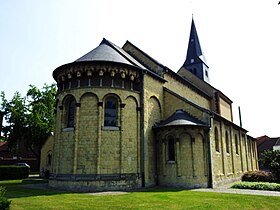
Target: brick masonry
{"x": 132, "y": 154}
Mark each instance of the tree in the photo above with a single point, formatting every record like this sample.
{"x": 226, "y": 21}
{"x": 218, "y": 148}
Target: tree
{"x": 40, "y": 120}
{"x": 30, "y": 118}
{"x": 271, "y": 160}
{"x": 15, "y": 116}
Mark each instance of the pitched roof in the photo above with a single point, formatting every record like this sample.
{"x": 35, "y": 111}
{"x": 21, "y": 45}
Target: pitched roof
{"x": 268, "y": 144}
{"x": 108, "y": 51}
{"x": 180, "y": 118}
{"x": 261, "y": 139}
{"x": 127, "y": 47}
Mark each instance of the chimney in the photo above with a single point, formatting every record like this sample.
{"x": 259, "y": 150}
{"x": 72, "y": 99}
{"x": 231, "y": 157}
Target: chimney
{"x": 240, "y": 120}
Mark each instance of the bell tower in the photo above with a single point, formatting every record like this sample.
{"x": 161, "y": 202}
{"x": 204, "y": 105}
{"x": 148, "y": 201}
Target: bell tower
{"x": 195, "y": 61}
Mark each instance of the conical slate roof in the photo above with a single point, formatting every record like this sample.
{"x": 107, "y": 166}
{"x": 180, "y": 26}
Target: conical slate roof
{"x": 180, "y": 117}
{"x": 194, "y": 48}
{"x": 107, "y": 51}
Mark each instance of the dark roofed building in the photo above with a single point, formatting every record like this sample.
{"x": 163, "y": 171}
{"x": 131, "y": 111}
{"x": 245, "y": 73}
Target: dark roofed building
{"x": 266, "y": 143}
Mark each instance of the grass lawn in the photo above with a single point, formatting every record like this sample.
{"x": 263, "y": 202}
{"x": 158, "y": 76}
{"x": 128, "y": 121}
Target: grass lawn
{"x": 157, "y": 198}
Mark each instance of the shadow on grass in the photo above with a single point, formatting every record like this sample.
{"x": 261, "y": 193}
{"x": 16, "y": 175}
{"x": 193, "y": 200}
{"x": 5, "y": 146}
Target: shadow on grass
{"x": 28, "y": 187}
{"x": 159, "y": 189}
{"x": 39, "y": 187}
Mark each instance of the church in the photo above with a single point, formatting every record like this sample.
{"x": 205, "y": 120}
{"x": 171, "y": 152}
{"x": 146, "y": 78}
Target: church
{"x": 124, "y": 121}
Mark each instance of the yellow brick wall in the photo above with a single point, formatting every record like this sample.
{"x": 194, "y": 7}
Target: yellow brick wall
{"x": 225, "y": 109}
{"x": 230, "y": 166}
{"x": 130, "y": 137}
{"x": 186, "y": 92}
{"x": 153, "y": 102}
{"x": 91, "y": 148}
{"x": 45, "y": 151}
{"x": 190, "y": 166}
{"x": 87, "y": 138}
{"x": 172, "y": 103}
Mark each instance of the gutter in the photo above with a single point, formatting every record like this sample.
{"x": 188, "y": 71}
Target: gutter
{"x": 210, "y": 167}
{"x": 142, "y": 162}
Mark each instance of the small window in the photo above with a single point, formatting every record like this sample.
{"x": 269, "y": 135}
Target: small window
{"x": 227, "y": 142}
{"x": 171, "y": 149}
{"x": 236, "y": 145}
{"x": 110, "y": 115}
{"x": 49, "y": 161}
{"x": 249, "y": 147}
{"x": 253, "y": 148}
{"x": 217, "y": 145}
{"x": 206, "y": 73}
{"x": 192, "y": 60}
{"x": 71, "y": 109}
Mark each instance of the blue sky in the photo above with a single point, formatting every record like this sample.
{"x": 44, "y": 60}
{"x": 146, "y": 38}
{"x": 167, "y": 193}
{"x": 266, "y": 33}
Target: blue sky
{"x": 240, "y": 40}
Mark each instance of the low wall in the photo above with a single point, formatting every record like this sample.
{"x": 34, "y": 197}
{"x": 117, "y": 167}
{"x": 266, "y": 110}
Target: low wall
{"x": 95, "y": 182}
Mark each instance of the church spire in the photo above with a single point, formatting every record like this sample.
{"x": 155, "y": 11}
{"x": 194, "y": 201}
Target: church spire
{"x": 195, "y": 61}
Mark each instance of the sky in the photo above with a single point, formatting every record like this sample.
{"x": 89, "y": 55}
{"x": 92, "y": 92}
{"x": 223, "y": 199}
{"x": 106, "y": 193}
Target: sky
{"x": 240, "y": 40}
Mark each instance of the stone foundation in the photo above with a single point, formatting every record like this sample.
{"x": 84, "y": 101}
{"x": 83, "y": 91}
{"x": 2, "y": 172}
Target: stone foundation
{"x": 95, "y": 182}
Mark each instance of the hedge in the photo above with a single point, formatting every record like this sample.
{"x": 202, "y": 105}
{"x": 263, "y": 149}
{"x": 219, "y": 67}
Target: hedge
{"x": 13, "y": 172}
{"x": 257, "y": 186}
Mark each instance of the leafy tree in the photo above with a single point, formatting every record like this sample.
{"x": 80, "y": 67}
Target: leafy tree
{"x": 15, "y": 116}
{"x": 40, "y": 119}
{"x": 30, "y": 118}
{"x": 271, "y": 160}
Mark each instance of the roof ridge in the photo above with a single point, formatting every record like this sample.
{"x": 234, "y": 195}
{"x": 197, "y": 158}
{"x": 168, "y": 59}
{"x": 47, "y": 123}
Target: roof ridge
{"x": 145, "y": 54}
{"x": 115, "y": 47}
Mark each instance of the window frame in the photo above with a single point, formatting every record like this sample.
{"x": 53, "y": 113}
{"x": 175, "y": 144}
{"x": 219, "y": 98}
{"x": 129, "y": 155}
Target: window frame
{"x": 171, "y": 147}
{"x": 236, "y": 145}
{"x": 114, "y": 110}
{"x": 69, "y": 113}
{"x": 227, "y": 143}
{"x": 217, "y": 144}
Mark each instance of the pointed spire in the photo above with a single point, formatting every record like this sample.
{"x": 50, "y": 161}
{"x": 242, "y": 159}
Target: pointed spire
{"x": 195, "y": 61}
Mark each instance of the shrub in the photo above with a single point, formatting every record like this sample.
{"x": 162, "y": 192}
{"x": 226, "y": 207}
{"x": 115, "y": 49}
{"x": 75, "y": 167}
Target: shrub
{"x": 259, "y": 176}
{"x": 271, "y": 159}
{"x": 13, "y": 172}
{"x": 4, "y": 202}
{"x": 257, "y": 186}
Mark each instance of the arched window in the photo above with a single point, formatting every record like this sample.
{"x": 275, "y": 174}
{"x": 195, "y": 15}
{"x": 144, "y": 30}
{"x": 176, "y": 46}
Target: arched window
{"x": 249, "y": 147}
{"x": 171, "y": 148}
{"x": 236, "y": 145}
{"x": 70, "y": 112}
{"x": 49, "y": 159}
{"x": 217, "y": 145}
{"x": 111, "y": 113}
{"x": 227, "y": 142}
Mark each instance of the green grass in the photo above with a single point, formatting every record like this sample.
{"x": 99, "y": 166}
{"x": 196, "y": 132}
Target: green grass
{"x": 156, "y": 198}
